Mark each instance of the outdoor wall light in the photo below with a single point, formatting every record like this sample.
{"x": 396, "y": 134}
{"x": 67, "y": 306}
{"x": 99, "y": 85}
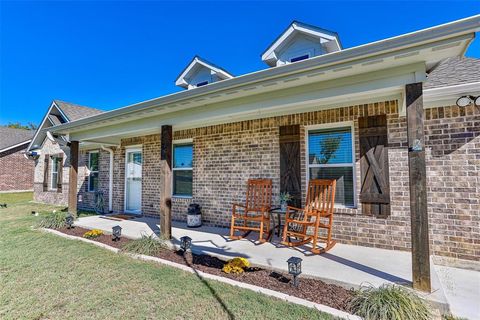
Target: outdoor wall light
{"x": 295, "y": 268}
{"x": 185, "y": 243}
{"x": 69, "y": 221}
{"x": 116, "y": 233}
{"x": 464, "y": 101}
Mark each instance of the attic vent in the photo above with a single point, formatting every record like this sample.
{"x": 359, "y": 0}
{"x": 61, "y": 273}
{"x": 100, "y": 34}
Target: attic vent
{"x": 201, "y": 84}
{"x": 300, "y": 58}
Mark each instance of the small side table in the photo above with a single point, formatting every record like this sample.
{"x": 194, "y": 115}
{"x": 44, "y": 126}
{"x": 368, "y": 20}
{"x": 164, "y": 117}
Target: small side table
{"x": 280, "y": 213}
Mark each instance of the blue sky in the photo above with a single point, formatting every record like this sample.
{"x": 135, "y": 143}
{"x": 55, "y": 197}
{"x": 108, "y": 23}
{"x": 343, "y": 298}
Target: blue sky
{"x": 112, "y": 54}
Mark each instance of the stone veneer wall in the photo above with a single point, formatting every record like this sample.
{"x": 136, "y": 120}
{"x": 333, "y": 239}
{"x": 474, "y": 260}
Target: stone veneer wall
{"x": 16, "y": 172}
{"x": 85, "y": 198}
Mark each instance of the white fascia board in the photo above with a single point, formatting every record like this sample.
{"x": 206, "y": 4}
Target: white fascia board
{"x": 448, "y": 95}
{"x": 40, "y": 127}
{"x": 15, "y": 145}
{"x": 463, "y": 28}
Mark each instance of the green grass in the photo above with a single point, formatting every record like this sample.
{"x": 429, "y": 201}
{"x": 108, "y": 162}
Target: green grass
{"x": 43, "y": 276}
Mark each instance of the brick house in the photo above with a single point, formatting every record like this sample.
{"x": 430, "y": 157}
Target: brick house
{"x": 202, "y": 144}
{"x": 16, "y": 171}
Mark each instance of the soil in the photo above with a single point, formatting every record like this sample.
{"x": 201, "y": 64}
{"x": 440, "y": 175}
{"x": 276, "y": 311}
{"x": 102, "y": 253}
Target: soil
{"x": 309, "y": 289}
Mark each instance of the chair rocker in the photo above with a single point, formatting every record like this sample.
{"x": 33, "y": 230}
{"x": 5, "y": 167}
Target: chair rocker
{"x": 255, "y": 214}
{"x": 319, "y": 206}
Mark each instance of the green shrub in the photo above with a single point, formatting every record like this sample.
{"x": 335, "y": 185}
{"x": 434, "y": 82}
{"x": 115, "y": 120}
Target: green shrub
{"x": 451, "y": 317}
{"x": 388, "y": 302}
{"x": 53, "y": 220}
{"x": 147, "y": 245}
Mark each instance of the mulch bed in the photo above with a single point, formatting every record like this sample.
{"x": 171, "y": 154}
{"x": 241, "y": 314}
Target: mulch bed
{"x": 309, "y": 289}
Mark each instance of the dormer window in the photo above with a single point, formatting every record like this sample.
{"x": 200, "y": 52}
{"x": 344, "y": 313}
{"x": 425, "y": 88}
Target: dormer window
{"x": 199, "y": 73}
{"x": 300, "y": 58}
{"x": 300, "y": 41}
{"x": 201, "y": 84}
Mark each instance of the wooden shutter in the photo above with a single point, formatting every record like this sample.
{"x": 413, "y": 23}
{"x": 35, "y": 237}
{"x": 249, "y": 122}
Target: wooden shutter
{"x": 290, "y": 175}
{"x": 60, "y": 173}
{"x": 375, "y": 190}
{"x": 45, "y": 172}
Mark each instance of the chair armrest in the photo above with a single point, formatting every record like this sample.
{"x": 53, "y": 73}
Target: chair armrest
{"x": 239, "y": 205}
{"x": 294, "y": 208}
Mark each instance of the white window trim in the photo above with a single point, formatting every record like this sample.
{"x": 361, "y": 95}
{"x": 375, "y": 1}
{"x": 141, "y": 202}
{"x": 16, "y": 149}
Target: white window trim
{"x": 176, "y": 143}
{"x": 342, "y": 124}
{"x": 92, "y": 171}
{"x": 53, "y": 159}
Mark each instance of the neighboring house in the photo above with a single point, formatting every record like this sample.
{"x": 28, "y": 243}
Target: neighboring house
{"x": 51, "y": 161}
{"x": 320, "y": 111}
{"x": 16, "y": 171}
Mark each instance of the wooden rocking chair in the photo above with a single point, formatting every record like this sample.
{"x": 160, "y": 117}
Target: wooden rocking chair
{"x": 319, "y": 205}
{"x": 256, "y": 210}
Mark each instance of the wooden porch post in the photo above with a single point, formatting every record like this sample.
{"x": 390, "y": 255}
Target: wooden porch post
{"x": 73, "y": 178}
{"x": 166, "y": 182}
{"x": 418, "y": 188}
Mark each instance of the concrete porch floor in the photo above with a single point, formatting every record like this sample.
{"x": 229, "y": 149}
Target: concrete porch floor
{"x": 346, "y": 265}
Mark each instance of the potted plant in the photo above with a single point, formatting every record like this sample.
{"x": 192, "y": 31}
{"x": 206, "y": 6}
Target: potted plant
{"x": 285, "y": 197}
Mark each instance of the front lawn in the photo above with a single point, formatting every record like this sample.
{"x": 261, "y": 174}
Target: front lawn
{"x": 43, "y": 276}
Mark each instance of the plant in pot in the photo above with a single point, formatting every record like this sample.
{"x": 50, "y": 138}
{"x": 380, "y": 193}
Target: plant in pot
{"x": 285, "y": 198}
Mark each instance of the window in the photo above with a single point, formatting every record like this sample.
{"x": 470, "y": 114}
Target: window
{"x": 330, "y": 156}
{"x": 93, "y": 168}
{"x": 201, "y": 84}
{"x": 54, "y": 173}
{"x": 300, "y": 58}
{"x": 182, "y": 169}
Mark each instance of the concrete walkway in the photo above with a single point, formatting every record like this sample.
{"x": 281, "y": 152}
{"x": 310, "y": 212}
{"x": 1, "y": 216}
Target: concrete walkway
{"x": 346, "y": 265}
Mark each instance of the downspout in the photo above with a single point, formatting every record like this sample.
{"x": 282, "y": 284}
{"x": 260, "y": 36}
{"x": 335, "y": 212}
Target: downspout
{"x": 110, "y": 178}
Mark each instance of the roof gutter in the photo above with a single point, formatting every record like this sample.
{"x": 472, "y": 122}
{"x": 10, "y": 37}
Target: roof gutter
{"x": 445, "y": 31}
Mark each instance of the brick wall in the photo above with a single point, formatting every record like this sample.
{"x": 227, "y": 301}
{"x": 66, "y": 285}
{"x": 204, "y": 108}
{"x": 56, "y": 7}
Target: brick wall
{"x": 225, "y": 156}
{"x": 16, "y": 172}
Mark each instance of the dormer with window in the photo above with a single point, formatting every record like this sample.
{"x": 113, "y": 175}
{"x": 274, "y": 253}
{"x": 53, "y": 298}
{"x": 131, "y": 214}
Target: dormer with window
{"x": 199, "y": 73}
{"x": 299, "y": 42}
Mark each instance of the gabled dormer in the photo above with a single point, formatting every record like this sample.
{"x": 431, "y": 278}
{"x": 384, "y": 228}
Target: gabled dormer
{"x": 200, "y": 72}
{"x": 300, "y": 41}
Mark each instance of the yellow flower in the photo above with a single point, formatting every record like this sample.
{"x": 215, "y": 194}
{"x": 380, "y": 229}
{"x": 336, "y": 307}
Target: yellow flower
{"x": 93, "y": 233}
{"x": 236, "y": 265}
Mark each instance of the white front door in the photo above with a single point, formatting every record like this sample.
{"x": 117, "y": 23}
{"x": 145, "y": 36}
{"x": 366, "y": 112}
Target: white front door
{"x": 133, "y": 181}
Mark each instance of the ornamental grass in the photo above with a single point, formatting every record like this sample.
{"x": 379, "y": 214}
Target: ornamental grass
{"x": 146, "y": 245}
{"x": 388, "y": 302}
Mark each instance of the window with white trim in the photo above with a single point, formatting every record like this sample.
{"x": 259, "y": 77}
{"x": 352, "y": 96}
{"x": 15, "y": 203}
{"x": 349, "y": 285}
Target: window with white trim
{"x": 93, "y": 169}
{"x": 331, "y": 156}
{"x": 183, "y": 169}
{"x": 54, "y": 173}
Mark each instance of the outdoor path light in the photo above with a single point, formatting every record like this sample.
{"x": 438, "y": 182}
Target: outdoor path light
{"x": 295, "y": 268}
{"x": 116, "y": 233}
{"x": 69, "y": 220}
{"x": 185, "y": 243}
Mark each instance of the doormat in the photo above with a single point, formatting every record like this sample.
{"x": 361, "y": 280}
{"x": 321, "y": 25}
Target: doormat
{"x": 119, "y": 217}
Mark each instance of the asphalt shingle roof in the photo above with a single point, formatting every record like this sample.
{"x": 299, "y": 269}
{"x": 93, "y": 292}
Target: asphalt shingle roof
{"x": 75, "y": 111}
{"x": 454, "y": 71}
{"x": 10, "y": 136}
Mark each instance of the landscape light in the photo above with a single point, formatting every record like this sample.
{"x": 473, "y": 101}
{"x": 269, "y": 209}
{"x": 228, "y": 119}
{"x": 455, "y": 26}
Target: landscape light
{"x": 69, "y": 221}
{"x": 185, "y": 243}
{"x": 295, "y": 268}
{"x": 116, "y": 233}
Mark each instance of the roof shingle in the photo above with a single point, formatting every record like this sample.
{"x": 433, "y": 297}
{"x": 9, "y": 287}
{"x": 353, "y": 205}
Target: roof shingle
{"x": 10, "y": 136}
{"x": 75, "y": 111}
{"x": 454, "y": 71}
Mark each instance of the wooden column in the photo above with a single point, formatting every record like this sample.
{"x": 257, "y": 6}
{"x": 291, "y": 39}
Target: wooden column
{"x": 418, "y": 188}
{"x": 73, "y": 178}
{"x": 166, "y": 182}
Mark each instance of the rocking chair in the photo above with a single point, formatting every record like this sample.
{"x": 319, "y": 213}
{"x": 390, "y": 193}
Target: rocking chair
{"x": 319, "y": 205}
{"x": 256, "y": 210}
